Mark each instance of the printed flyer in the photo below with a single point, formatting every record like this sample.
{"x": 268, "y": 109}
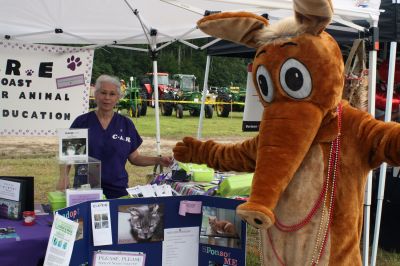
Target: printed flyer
{"x": 180, "y": 246}
{"x": 61, "y": 241}
{"x": 101, "y": 223}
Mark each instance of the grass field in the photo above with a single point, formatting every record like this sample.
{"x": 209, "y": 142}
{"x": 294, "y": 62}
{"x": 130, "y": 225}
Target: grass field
{"x": 35, "y": 159}
{"x": 174, "y": 128}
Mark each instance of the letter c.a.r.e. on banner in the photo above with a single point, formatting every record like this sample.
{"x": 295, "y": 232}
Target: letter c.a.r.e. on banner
{"x": 42, "y": 87}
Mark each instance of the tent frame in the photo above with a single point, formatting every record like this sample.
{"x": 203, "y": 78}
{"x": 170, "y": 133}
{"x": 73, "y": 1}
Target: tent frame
{"x": 152, "y": 34}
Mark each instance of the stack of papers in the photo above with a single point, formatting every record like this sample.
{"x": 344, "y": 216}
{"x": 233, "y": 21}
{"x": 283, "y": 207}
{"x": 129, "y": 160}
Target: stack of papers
{"x": 148, "y": 191}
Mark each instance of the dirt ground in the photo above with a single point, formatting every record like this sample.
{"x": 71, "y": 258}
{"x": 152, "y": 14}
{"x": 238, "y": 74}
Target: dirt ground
{"x": 24, "y": 147}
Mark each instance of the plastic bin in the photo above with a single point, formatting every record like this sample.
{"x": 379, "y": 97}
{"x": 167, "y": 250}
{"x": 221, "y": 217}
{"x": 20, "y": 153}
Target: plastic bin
{"x": 57, "y": 200}
{"x": 236, "y": 185}
{"x": 198, "y": 172}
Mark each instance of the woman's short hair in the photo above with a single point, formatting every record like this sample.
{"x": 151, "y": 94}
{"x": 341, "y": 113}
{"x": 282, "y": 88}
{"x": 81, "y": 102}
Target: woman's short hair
{"x": 108, "y": 79}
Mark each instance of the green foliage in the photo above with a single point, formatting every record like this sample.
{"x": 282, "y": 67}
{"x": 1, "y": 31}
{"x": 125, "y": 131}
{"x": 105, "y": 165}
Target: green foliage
{"x": 120, "y": 62}
{"x": 176, "y": 58}
{"x": 224, "y": 72}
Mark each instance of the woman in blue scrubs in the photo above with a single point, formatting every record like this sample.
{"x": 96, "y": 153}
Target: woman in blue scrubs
{"x": 113, "y": 138}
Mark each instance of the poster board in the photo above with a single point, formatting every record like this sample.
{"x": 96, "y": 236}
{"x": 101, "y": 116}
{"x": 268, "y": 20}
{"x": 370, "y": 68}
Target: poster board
{"x": 211, "y": 250}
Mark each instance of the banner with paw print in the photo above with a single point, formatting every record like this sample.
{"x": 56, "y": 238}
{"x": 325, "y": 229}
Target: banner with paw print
{"x": 42, "y": 87}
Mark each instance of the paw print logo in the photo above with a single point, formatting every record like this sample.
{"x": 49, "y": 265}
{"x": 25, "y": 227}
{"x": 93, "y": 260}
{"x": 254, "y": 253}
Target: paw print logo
{"x": 74, "y": 62}
{"x": 29, "y": 72}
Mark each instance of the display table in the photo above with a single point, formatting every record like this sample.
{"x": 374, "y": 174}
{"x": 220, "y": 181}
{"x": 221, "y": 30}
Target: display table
{"x": 29, "y": 248}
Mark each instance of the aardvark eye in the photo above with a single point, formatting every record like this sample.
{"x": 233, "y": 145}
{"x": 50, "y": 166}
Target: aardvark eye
{"x": 265, "y": 84}
{"x": 295, "y": 79}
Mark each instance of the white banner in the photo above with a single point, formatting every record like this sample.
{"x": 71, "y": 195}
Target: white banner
{"x": 42, "y": 87}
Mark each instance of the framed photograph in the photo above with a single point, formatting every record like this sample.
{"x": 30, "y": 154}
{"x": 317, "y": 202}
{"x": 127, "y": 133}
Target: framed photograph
{"x": 140, "y": 223}
{"x": 73, "y": 143}
{"x": 220, "y": 227}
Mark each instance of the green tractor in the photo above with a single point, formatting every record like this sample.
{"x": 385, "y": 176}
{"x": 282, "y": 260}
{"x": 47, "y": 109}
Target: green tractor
{"x": 133, "y": 101}
{"x": 188, "y": 97}
{"x": 229, "y": 99}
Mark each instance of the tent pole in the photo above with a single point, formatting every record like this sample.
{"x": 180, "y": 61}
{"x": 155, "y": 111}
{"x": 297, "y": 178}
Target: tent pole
{"x": 368, "y": 189}
{"x": 157, "y": 108}
{"x": 382, "y": 172}
{"x": 203, "y": 98}
{"x": 153, "y": 54}
{"x": 152, "y": 40}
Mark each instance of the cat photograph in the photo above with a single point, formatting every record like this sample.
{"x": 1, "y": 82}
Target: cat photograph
{"x": 140, "y": 223}
{"x": 220, "y": 227}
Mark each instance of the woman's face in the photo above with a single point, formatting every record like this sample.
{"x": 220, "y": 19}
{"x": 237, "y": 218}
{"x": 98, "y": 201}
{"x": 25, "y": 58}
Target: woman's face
{"x": 107, "y": 96}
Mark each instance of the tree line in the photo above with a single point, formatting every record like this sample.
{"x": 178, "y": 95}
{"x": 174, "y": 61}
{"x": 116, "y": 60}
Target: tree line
{"x": 176, "y": 58}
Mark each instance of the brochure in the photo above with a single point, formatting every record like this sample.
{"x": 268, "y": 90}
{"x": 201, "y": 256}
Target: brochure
{"x": 148, "y": 191}
{"x": 101, "y": 223}
{"x": 61, "y": 241}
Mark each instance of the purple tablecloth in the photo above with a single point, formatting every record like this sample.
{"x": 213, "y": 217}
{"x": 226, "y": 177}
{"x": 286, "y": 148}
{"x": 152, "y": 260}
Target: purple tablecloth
{"x": 31, "y": 246}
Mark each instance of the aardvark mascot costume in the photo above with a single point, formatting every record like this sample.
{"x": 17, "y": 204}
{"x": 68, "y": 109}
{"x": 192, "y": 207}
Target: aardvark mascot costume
{"x": 313, "y": 151}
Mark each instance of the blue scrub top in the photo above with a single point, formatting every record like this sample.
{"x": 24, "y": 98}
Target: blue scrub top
{"x": 112, "y": 147}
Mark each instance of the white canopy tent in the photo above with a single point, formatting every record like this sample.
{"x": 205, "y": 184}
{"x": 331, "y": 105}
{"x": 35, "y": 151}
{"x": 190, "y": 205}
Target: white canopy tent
{"x": 157, "y": 23}
{"x": 114, "y": 23}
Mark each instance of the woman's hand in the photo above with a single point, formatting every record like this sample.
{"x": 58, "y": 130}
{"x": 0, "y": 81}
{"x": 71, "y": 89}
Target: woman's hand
{"x": 165, "y": 161}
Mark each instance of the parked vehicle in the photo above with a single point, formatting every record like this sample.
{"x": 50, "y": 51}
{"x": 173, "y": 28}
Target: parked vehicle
{"x": 92, "y": 102}
{"x": 165, "y": 92}
{"x": 188, "y": 97}
{"x": 229, "y": 99}
{"x": 133, "y": 101}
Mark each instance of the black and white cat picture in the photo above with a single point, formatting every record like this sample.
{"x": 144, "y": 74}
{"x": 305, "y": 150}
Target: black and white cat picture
{"x": 140, "y": 223}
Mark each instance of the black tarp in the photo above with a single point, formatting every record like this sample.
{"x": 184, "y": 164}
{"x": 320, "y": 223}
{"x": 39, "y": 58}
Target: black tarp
{"x": 389, "y": 27}
{"x": 226, "y": 48}
{"x": 389, "y": 22}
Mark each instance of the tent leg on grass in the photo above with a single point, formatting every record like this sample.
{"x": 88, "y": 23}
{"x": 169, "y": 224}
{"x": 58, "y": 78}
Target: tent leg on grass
{"x": 382, "y": 173}
{"x": 203, "y": 98}
{"x": 368, "y": 189}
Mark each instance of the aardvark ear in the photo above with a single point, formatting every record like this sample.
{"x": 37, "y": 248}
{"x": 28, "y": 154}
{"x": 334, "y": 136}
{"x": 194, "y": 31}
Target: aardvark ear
{"x": 313, "y": 15}
{"x": 239, "y": 27}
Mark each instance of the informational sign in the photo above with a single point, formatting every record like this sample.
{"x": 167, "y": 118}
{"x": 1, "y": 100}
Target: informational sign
{"x": 75, "y": 196}
{"x": 118, "y": 258}
{"x": 253, "y": 108}
{"x": 42, "y": 87}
